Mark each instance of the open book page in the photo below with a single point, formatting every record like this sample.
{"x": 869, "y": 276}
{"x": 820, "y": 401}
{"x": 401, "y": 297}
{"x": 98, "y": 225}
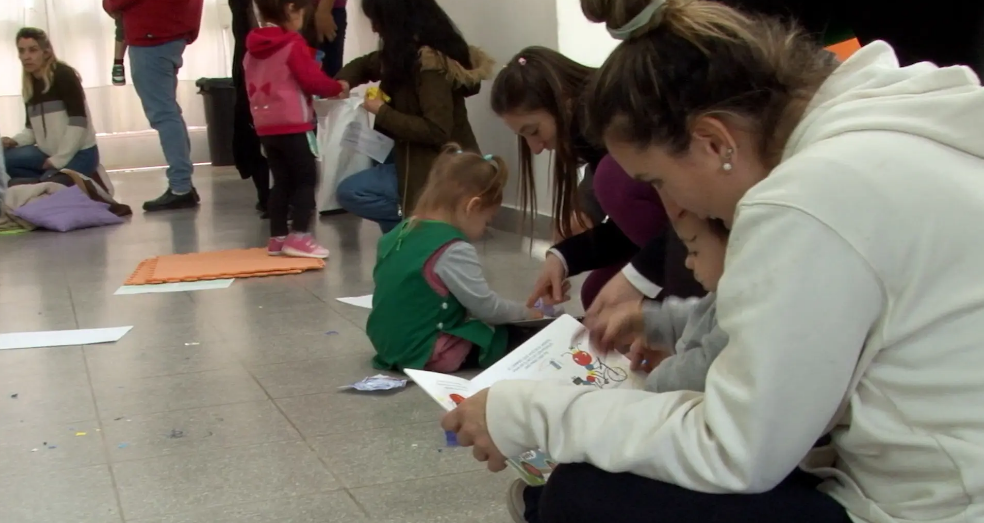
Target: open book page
{"x": 446, "y": 390}
{"x": 559, "y": 353}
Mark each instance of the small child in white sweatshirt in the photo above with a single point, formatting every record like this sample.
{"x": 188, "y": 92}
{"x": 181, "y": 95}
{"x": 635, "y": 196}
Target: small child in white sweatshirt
{"x": 686, "y": 328}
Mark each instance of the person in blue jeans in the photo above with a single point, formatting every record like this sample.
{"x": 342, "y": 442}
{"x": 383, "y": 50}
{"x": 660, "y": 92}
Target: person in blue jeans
{"x": 373, "y": 194}
{"x": 157, "y": 34}
{"x": 58, "y": 133}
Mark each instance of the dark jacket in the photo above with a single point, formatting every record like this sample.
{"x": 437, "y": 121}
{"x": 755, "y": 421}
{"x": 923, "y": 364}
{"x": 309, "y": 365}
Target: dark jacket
{"x": 425, "y": 116}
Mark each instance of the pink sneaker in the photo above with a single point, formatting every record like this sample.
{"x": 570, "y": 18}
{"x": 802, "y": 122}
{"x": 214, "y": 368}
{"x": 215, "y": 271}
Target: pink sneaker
{"x": 303, "y": 246}
{"x": 275, "y": 247}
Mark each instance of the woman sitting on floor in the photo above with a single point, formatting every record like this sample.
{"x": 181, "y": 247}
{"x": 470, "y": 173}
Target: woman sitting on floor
{"x": 59, "y": 133}
{"x": 428, "y": 69}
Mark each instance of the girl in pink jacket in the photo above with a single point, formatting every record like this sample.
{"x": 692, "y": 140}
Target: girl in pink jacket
{"x": 281, "y": 77}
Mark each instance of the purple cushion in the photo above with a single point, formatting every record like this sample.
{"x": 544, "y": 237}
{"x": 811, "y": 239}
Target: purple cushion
{"x": 67, "y": 210}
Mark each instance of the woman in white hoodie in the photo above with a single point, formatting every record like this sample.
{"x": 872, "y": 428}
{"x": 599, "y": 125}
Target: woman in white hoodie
{"x": 852, "y": 291}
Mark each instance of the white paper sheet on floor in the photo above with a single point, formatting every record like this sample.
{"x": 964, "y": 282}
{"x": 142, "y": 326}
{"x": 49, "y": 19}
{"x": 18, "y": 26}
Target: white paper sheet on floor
{"x": 364, "y": 302}
{"x": 337, "y": 162}
{"x": 65, "y": 338}
{"x": 181, "y": 286}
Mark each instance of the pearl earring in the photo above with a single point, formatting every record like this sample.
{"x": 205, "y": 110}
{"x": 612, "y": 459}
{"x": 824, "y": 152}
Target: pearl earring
{"x": 727, "y": 157}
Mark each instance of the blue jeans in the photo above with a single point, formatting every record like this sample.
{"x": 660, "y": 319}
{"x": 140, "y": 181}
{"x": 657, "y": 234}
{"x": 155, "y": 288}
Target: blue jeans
{"x": 372, "y": 194}
{"x": 155, "y": 77}
{"x": 28, "y": 161}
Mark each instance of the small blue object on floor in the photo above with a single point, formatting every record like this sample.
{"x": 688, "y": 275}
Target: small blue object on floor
{"x": 451, "y": 438}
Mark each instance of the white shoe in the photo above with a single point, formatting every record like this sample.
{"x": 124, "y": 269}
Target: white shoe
{"x": 514, "y": 501}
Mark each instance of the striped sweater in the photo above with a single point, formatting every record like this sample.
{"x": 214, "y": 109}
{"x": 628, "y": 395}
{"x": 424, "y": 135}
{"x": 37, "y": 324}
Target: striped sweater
{"x": 58, "y": 121}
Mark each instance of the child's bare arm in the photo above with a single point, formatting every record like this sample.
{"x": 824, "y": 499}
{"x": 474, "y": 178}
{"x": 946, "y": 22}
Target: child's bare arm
{"x": 461, "y": 271}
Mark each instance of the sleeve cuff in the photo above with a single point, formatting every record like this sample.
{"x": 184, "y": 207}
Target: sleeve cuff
{"x": 508, "y": 419}
{"x": 563, "y": 261}
{"x": 646, "y": 287}
{"x": 382, "y": 116}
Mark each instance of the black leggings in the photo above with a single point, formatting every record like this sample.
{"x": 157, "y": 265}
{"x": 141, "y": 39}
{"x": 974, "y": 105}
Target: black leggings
{"x": 583, "y": 493}
{"x": 295, "y": 178}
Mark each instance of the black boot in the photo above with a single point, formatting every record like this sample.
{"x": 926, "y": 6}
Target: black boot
{"x": 170, "y": 201}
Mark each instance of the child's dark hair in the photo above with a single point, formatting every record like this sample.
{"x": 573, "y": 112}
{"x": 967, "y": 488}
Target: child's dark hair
{"x": 542, "y": 79}
{"x": 457, "y": 175}
{"x": 275, "y": 11}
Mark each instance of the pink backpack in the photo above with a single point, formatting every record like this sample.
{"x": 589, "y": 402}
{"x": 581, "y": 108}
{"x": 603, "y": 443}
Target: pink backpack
{"x": 275, "y": 97}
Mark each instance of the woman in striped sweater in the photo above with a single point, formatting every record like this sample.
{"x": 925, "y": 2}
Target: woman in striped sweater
{"x": 58, "y": 133}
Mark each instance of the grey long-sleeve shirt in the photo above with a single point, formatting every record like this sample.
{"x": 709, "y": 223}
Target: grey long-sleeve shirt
{"x": 690, "y": 327}
{"x": 461, "y": 271}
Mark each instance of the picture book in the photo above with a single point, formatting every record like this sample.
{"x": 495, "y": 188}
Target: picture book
{"x": 558, "y": 353}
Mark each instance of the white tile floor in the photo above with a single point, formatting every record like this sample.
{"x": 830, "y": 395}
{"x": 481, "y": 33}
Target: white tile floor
{"x": 246, "y": 376}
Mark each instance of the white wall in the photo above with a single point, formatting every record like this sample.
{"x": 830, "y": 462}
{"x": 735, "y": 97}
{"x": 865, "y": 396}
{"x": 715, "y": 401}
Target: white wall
{"x": 502, "y": 28}
{"x": 579, "y": 39}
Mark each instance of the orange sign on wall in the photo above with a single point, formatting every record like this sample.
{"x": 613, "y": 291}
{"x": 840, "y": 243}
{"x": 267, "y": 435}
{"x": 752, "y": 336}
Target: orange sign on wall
{"x": 845, "y": 49}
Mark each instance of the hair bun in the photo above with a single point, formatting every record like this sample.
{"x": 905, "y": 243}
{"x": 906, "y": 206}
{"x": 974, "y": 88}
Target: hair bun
{"x": 626, "y": 18}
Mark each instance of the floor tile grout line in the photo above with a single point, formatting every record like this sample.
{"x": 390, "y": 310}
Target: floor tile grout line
{"x": 102, "y": 437}
{"x": 309, "y": 445}
{"x": 236, "y": 504}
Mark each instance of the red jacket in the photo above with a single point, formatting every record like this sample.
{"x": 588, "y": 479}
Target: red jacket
{"x": 281, "y": 76}
{"x": 154, "y": 22}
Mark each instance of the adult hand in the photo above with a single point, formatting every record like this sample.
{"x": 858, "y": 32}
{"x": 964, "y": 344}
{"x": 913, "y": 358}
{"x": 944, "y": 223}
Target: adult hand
{"x": 8, "y": 143}
{"x": 469, "y": 423}
{"x": 617, "y": 326}
{"x": 534, "y": 314}
{"x": 373, "y": 104}
{"x": 47, "y": 165}
{"x": 324, "y": 22}
{"x": 552, "y": 284}
{"x": 617, "y": 291}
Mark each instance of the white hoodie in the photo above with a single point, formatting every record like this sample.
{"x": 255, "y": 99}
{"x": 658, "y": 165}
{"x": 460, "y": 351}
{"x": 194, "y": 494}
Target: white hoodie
{"x": 863, "y": 245}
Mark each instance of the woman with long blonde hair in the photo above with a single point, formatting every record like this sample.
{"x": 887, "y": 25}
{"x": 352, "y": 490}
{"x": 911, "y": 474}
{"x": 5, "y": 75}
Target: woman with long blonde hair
{"x": 58, "y": 133}
{"x": 851, "y": 291}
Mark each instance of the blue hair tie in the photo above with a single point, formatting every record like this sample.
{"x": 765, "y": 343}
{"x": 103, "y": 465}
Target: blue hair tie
{"x": 488, "y": 157}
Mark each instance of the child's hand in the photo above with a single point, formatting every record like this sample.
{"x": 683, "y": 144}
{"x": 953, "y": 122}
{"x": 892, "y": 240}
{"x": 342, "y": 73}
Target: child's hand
{"x": 618, "y": 326}
{"x": 346, "y": 90}
{"x": 646, "y": 358}
{"x": 373, "y": 104}
{"x": 533, "y": 314}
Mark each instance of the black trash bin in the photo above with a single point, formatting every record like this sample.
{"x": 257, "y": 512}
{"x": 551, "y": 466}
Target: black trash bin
{"x": 220, "y": 105}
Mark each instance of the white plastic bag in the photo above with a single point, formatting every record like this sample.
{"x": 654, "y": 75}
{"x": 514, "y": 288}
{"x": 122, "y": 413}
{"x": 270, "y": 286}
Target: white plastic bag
{"x": 336, "y": 162}
{"x": 361, "y": 137}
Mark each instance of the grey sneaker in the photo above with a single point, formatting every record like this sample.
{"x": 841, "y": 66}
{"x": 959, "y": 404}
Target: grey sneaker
{"x": 514, "y": 501}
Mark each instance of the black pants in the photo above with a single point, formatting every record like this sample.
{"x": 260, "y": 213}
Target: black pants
{"x": 335, "y": 50}
{"x": 583, "y": 493}
{"x": 295, "y": 178}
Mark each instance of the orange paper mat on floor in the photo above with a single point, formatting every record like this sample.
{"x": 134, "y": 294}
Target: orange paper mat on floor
{"x": 236, "y": 263}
